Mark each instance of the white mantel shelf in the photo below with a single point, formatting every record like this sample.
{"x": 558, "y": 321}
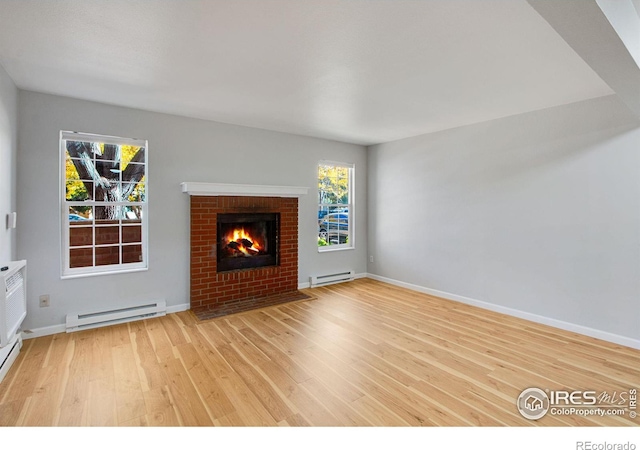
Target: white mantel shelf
{"x": 243, "y": 190}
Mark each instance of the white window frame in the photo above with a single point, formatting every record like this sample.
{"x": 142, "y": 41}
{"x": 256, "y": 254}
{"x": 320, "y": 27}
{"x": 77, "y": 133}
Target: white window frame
{"x": 351, "y": 241}
{"x": 75, "y": 272}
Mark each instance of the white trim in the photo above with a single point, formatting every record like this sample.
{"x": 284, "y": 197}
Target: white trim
{"x": 178, "y": 308}
{"x": 335, "y": 248}
{"x": 113, "y": 269}
{"x": 44, "y": 331}
{"x": 567, "y": 326}
{"x": 243, "y": 190}
{"x": 598, "y": 334}
{"x": 97, "y": 138}
{"x": 326, "y": 162}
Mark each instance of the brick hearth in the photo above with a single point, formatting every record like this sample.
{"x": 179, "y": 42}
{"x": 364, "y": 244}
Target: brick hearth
{"x": 215, "y": 294}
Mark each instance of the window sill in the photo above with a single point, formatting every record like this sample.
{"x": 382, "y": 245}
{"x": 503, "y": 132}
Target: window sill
{"x": 96, "y": 274}
{"x": 334, "y": 248}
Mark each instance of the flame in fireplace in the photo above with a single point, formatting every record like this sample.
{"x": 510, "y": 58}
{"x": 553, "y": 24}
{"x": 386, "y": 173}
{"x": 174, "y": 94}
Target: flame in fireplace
{"x": 240, "y": 240}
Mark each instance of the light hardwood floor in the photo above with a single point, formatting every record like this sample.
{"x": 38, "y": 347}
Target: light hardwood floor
{"x": 359, "y": 354}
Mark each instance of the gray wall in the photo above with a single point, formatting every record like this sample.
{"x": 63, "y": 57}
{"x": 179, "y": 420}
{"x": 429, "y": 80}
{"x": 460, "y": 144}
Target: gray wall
{"x": 8, "y": 151}
{"x": 180, "y": 149}
{"x": 538, "y": 213}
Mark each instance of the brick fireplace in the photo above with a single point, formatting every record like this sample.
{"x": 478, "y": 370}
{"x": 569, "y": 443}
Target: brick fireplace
{"x": 216, "y": 290}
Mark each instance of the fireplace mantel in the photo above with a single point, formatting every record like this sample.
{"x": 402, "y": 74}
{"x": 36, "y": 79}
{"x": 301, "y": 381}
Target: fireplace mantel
{"x": 243, "y": 190}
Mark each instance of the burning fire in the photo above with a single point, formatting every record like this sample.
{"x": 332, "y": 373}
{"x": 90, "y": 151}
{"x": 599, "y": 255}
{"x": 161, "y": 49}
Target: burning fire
{"x": 239, "y": 241}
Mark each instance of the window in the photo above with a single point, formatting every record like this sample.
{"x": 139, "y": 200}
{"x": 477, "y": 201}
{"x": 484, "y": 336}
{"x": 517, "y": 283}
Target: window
{"x": 104, "y": 204}
{"x": 335, "y": 206}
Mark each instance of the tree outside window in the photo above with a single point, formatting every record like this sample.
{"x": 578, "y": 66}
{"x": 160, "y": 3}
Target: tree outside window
{"x": 104, "y": 208}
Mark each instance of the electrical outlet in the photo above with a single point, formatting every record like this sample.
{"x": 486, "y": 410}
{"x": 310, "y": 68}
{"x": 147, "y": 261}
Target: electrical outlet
{"x": 44, "y": 301}
{"x": 371, "y": 258}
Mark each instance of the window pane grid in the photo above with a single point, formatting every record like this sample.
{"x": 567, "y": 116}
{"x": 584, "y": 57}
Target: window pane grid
{"x": 335, "y": 229}
{"x": 105, "y": 199}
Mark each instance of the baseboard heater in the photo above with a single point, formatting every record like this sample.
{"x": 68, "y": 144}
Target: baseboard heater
{"x": 323, "y": 280}
{"x": 77, "y": 322}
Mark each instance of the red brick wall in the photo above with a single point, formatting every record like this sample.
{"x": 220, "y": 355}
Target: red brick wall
{"x": 228, "y": 292}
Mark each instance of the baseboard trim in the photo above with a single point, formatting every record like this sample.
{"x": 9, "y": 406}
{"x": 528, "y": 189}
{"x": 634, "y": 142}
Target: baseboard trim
{"x": 567, "y": 326}
{"x": 44, "y": 331}
{"x": 178, "y": 308}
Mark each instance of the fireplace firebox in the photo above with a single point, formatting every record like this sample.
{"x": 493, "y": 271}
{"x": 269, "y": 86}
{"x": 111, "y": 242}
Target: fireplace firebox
{"x": 247, "y": 241}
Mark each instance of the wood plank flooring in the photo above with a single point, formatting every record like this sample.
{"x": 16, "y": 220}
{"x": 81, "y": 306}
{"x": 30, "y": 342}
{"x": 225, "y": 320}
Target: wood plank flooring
{"x": 363, "y": 353}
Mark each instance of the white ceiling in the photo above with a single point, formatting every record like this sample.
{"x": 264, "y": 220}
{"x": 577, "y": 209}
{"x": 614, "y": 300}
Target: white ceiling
{"x": 361, "y": 71}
